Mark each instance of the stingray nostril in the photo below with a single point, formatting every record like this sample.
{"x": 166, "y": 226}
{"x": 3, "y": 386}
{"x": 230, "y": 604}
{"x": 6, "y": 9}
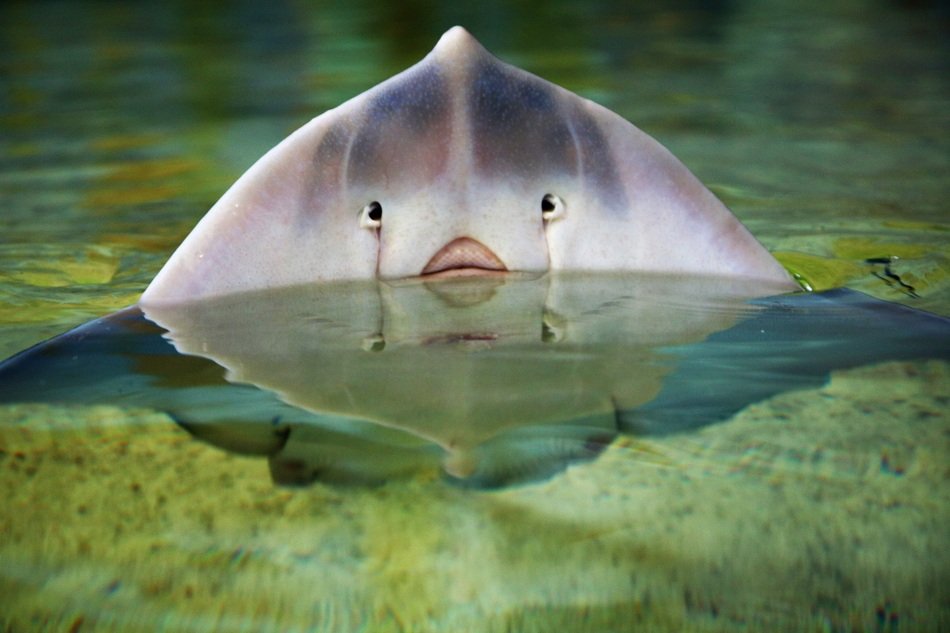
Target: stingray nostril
{"x": 371, "y": 217}
{"x": 552, "y": 206}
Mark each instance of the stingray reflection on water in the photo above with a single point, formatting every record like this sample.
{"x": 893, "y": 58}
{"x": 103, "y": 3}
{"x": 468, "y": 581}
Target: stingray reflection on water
{"x": 495, "y": 380}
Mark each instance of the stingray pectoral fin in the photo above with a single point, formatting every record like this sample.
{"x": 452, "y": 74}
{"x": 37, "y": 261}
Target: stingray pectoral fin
{"x": 95, "y": 363}
{"x": 288, "y": 220}
{"x": 641, "y": 209}
{"x": 794, "y": 343}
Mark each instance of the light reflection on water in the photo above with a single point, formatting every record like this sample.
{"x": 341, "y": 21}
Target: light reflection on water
{"x": 821, "y": 128}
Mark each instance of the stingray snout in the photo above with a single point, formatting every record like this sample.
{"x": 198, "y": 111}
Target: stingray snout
{"x": 464, "y": 256}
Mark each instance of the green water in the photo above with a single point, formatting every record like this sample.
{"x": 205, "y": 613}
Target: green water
{"x": 822, "y": 125}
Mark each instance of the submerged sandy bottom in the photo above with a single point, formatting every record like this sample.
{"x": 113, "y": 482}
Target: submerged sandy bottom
{"x": 816, "y": 510}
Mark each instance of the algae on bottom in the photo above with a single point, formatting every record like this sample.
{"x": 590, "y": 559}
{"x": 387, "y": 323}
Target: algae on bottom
{"x": 815, "y": 510}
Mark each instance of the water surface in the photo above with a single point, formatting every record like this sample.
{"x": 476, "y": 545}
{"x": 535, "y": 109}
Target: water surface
{"x": 823, "y": 126}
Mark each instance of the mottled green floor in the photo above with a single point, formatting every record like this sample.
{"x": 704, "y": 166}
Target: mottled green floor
{"x": 812, "y": 511}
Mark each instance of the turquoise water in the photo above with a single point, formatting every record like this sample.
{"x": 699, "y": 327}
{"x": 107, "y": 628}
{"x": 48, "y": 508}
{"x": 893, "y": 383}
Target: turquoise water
{"x": 822, "y": 125}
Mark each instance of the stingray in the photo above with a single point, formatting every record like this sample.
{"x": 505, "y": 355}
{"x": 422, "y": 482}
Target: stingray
{"x": 469, "y": 269}
{"x": 461, "y": 164}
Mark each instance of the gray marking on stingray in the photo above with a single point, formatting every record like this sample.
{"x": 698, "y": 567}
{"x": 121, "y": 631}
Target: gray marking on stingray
{"x": 517, "y": 126}
{"x": 400, "y": 123}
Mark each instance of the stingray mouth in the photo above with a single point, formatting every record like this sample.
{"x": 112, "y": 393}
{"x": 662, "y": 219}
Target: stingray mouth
{"x": 463, "y": 257}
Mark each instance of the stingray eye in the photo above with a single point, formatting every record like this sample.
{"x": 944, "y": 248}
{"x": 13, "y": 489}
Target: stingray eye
{"x": 552, "y": 207}
{"x": 371, "y": 217}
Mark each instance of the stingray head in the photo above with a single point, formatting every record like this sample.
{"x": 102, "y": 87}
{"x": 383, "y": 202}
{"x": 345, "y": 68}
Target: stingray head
{"x": 460, "y": 165}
